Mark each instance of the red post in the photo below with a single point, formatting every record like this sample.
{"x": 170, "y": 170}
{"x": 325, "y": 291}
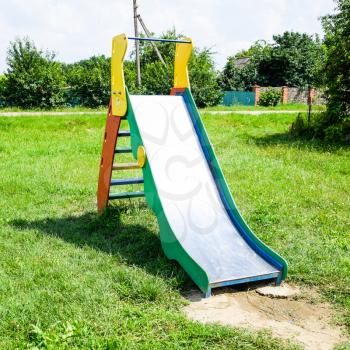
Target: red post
{"x": 284, "y": 98}
{"x": 107, "y": 157}
{"x": 256, "y": 89}
{"x": 311, "y": 95}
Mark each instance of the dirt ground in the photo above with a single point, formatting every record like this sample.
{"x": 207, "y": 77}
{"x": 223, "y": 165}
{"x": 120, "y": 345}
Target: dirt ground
{"x": 301, "y": 318}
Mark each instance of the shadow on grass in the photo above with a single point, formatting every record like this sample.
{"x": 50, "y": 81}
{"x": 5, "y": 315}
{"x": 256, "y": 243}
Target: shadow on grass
{"x": 288, "y": 140}
{"x": 134, "y": 245}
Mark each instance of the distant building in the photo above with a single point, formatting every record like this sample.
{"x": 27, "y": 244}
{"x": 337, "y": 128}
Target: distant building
{"x": 242, "y": 62}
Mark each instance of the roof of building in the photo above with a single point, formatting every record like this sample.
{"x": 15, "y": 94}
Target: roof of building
{"x": 241, "y": 62}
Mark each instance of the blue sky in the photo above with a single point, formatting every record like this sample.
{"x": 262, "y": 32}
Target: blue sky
{"x": 77, "y": 29}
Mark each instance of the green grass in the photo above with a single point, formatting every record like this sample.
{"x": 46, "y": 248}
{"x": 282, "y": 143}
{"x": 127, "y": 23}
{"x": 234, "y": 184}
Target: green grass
{"x": 71, "y": 279}
{"x": 101, "y": 109}
{"x": 286, "y": 107}
{"x": 294, "y": 194}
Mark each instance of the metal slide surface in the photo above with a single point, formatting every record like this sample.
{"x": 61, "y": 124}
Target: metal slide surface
{"x": 189, "y": 194}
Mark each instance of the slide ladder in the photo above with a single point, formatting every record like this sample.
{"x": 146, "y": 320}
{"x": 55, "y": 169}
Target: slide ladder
{"x": 108, "y": 165}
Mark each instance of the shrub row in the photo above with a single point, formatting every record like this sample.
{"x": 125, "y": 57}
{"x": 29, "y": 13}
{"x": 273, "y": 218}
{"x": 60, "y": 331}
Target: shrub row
{"x": 35, "y": 80}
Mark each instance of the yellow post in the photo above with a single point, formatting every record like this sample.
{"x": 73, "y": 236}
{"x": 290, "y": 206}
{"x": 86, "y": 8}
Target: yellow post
{"x": 182, "y": 55}
{"x": 118, "y": 93}
{"x": 141, "y": 156}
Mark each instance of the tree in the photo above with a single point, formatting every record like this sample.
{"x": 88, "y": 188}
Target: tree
{"x": 204, "y": 79}
{"x": 33, "y": 78}
{"x": 260, "y": 48}
{"x": 131, "y": 78}
{"x": 157, "y": 79}
{"x": 293, "y": 59}
{"x": 337, "y": 68}
{"x": 244, "y": 77}
{"x": 89, "y": 82}
{"x": 334, "y": 124}
{"x": 237, "y": 78}
{"x": 2, "y": 90}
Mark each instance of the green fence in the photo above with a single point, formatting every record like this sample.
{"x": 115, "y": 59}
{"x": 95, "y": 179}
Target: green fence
{"x": 244, "y": 98}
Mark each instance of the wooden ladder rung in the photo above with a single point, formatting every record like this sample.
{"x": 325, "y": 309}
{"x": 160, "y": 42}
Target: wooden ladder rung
{"x": 131, "y": 181}
{"x": 122, "y": 195}
{"x": 123, "y": 150}
{"x": 125, "y": 166}
{"x": 124, "y": 133}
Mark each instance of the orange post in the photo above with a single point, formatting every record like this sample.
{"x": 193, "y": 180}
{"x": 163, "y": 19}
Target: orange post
{"x": 256, "y": 89}
{"x": 284, "y": 98}
{"x": 311, "y": 95}
{"x": 107, "y": 158}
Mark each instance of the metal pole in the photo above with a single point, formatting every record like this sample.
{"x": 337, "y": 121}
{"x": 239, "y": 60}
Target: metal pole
{"x": 153, "y": 44}
{"x": 137, "y": 47}
{"x": 309, "y": 102}
{"x": 160, "y": 40}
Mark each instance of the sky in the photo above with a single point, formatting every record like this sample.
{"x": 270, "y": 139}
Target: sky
{"x": 77, "y": 29}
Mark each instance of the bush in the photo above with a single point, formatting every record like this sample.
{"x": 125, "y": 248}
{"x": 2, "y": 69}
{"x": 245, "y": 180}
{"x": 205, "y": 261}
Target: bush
{"x": 292, "y": 59}
{"x": 2, "y": 91}
{"x": 334, "y": 133}
{"x": 337, "y": 68}
{"x": 321, "y": 126}
{"x": 156, "y": 79}
{"x": 334, "y": 124}
{"x": 271, "y": 97}
{"x": 33, "y": 79}
{"x": 299, "y": 127}
{"x": 89, "y": 82}
{"x": 204, "y": 79}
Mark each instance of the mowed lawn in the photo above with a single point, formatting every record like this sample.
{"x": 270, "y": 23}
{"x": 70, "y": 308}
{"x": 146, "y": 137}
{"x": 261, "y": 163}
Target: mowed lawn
{"x": 71, "y": 279}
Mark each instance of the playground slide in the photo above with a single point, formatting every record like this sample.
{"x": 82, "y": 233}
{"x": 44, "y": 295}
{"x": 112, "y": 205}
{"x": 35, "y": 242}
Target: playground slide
{"x": 200, "y": 225}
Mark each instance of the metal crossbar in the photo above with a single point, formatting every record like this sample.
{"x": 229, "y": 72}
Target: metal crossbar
{"x": 160, "y": 40}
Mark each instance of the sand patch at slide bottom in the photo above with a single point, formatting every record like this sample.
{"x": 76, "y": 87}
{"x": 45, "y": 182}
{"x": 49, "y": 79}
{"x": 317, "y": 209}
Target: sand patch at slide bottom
{"x": 295, "y": 319}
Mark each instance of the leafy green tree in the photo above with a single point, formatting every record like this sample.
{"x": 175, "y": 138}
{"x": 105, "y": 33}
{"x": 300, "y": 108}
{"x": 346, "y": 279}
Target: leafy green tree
{"x": 260, "y": 48}
{"x": 2, "y": 90}
{"x": 244, "y": 77}
{"x": 167, "y": 50}
{"x": 237, "y": 78}
{"x": 293, "y": 59}
{"x": 89, "y": 82}
{"x": 337, "y": 69}
{"x": 204, "y": 79}
{"x": 271, "y": 97}
{"x": 157, "y": 79}
{"x": 33, "y": 78}
{"x": 131, "y": 79}
{"x": 334, "y": 124}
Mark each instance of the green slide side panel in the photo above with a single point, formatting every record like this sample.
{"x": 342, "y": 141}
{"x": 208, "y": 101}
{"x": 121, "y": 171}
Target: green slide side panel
{"x": 171, "y": 247}
{"x": 223, "y": 184}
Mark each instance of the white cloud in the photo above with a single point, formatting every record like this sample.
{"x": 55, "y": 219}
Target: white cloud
{"x": 77, "y": 29}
